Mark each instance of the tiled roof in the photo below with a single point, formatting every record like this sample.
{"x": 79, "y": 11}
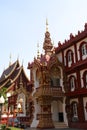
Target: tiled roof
{"x": 7, "y": 72}
{"x": 16, "y": 73}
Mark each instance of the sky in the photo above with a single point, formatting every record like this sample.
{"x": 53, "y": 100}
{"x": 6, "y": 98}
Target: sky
{"x": 23, "y": 26}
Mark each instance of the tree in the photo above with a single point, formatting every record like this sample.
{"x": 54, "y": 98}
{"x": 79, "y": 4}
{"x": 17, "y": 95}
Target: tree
{"x": 3, "y": 93}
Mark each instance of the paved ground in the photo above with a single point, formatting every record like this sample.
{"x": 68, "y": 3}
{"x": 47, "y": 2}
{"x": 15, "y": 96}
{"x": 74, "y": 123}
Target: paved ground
{"x": 55, "y": 129}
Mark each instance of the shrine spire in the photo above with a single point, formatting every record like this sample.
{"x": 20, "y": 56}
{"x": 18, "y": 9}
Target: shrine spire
{"x": 47, "y": 45}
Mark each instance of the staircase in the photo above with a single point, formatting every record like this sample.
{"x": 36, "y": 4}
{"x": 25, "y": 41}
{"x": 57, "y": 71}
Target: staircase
{"x": 60, "y": 125}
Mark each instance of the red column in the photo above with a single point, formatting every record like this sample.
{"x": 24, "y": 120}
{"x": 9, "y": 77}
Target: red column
{"x": 81, "y": 110}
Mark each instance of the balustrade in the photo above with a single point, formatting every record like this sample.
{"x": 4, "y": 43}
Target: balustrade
{"x": 49, "y": 91}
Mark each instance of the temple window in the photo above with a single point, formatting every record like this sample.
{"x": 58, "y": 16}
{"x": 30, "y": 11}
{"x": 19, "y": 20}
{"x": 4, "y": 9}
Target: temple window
{"x": 72, "y": 83}
{"x": 83, "y": 50}
{"x": 74, "y": 111}
{"x": 69, "y": 58}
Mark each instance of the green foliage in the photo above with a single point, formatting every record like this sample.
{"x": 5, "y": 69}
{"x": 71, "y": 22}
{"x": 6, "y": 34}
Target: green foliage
{"x": 3, "y": 93}
{"x": 14, "y": 128}
{"x": 3, "y": 127}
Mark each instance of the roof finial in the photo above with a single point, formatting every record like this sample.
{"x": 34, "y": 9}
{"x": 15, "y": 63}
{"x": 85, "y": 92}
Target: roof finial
{"x": 46, "y": 25}
{"x": 10, "y": 59}
{"x": 22, "y": 62}
{"x": 18, "y": 58}
{"x": 4, "y": 68}
{"x": 38, "y": 53}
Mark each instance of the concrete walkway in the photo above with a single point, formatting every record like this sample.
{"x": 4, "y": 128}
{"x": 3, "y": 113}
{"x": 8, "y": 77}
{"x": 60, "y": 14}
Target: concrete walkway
{"x": 55, "y": 129}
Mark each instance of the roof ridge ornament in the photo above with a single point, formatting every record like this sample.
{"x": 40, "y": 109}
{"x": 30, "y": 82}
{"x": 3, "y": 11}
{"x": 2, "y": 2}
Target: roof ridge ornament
{"x": 46, "y": 25}
{"x": 18, "y": 58}
{"x": 10, "y": 57}
{"x": 38, "y": 52}
{"x": 22, "y": 62}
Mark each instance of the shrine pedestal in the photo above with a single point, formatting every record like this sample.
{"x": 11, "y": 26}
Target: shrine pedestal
{"x": 45, "y": 121}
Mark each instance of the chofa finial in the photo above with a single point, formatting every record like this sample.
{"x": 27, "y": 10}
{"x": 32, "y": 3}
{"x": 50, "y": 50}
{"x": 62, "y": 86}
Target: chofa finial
{"x": 10, "y": 59}
{"x": 38, "y": 53}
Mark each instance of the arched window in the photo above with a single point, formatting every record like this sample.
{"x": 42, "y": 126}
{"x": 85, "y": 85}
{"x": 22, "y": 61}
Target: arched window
{"x": 74, "y": 106}
{"x": 55, "y": 82}
{"x": 75, "y": 109}
{"x": 69, "y": 58}
{"x": 83, "y": 50}
{"x": 72, "y": 83}
{"x": 85, "y": 79}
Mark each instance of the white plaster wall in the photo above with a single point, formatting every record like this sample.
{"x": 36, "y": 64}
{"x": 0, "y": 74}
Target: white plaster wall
{"x": 54, "y": 110}
{"x": 61, "y": 78}
{"x": 73, "y": 74}
{"x": 60, "y": 107}
{"x": 59, "y": 56}
{"x": 35, "y": 121}
{"x": 84, "y": 103}
{"x": 64, "y": 112}
{"x": 69, "y": 63}
{"x": 56, "y": 107}
{"x": 84, "y": 57}
{"x": 74, "y": 100}
{"x": 36, "y": 105}
{"x": 36, "y": 84}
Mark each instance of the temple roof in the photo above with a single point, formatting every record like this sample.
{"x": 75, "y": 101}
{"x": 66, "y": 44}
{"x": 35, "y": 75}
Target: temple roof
{"x": 16, "y": 73}
{"x": 10, "y": 74}
{"x": 7, "y": 72}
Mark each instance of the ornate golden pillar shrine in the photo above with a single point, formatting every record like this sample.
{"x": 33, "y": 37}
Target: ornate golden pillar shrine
{"x": 44, "y": 98}
{"x": 44, "y": 71}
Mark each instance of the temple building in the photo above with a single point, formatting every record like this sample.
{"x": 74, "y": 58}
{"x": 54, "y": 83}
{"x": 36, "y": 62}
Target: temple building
{"x": 18, "y": 89}
{"x": 60, "y": 83}
{"x": 56, "y": 94}
{"x": 47, "y": 74}
{"x": 73, "y": 55}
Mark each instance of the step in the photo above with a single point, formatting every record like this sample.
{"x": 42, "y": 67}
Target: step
{"x": 60, "y": 125}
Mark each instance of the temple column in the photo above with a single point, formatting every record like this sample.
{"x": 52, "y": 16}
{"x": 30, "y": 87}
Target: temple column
{"x": 45, "y": 117}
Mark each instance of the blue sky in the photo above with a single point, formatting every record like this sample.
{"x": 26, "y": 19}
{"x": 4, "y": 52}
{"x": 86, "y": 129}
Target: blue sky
{"x": 23, "y": 25}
